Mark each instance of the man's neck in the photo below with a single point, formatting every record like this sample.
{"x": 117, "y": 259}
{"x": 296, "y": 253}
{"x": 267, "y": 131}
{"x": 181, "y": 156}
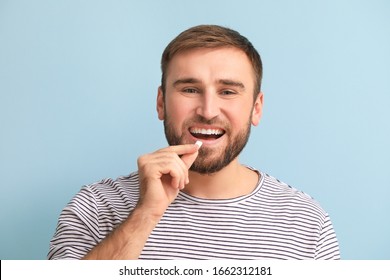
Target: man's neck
{"x": 232, "y": 181}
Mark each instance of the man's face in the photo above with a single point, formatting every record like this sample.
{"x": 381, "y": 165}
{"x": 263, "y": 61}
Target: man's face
{"x": 209, "y": 97}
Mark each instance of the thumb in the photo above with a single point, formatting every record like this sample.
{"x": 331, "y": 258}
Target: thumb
{"x": 189, "y": 159}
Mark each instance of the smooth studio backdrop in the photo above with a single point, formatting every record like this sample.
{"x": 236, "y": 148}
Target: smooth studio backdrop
{"x": 78, "y": 84}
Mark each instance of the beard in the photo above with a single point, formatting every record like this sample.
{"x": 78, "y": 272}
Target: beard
{"x": 210, "y": 160}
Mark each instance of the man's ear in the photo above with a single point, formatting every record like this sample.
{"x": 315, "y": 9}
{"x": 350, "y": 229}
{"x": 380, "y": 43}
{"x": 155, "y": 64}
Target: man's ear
{"x": 257, "y": 109}
{"x": 160, "y": 104}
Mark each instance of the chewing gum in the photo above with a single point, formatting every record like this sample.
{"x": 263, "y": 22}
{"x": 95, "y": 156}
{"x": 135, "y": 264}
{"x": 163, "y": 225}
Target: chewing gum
{"x": 199, "y": 143}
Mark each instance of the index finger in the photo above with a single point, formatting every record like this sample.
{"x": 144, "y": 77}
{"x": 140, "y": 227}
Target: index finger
{"x": 181, "y": 149}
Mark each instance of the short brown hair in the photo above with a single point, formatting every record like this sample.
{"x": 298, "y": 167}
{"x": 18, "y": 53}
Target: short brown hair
{"x": 211, "y": 36}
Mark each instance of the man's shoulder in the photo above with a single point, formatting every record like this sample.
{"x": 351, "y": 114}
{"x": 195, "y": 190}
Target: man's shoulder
{"x": 131, "y": 180}
{"x": 279, "y": 186}
{"x": 123, "y": 186}
{"x": 288, "y": 195}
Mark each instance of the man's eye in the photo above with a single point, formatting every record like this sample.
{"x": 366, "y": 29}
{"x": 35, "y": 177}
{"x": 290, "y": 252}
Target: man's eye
{"x": 228, "y": 92}
{"x": 190, "y": 90}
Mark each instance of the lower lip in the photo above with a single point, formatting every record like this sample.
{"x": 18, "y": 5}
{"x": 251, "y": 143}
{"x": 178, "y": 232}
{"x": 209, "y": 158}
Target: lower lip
{"x": 208, "y": 142}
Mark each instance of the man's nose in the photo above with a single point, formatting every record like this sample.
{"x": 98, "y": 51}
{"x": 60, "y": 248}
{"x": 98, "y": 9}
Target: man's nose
{"x": 208, "y": 106}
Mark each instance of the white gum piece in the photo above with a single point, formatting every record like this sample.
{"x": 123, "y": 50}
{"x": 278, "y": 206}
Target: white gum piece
{"x": 199, "y": 143}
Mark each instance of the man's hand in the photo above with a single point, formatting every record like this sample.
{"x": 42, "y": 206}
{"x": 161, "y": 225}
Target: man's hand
{"x": 162, "y": 174}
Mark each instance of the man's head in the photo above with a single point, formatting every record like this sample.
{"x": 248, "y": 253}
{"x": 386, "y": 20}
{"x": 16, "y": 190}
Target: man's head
{"x": 210, "y": 92}
{"x": 212, "y": 37}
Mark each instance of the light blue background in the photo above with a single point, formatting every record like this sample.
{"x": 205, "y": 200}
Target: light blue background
{"x": 78, "y": 83}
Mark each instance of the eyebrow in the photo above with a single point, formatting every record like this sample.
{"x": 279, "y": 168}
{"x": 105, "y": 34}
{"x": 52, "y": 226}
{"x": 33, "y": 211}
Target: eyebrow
{"x": 186, "y": 81}
{"x": 233, "y": 83}
{"x": 226, "y": 82}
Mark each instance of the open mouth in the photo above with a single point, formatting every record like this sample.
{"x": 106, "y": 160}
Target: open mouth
{"x": 206, "y": 134}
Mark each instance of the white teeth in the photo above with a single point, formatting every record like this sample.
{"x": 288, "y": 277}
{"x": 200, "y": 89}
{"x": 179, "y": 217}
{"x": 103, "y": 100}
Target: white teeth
{"x": 207, "y": 131}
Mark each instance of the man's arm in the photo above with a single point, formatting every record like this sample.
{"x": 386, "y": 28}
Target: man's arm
{"x": 127, "y": 240}
{"x": 328, "y": 246}
{"x": 162, "y": 174}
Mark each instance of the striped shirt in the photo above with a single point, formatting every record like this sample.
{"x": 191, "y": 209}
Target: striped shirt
{"x": 274, "y": 221}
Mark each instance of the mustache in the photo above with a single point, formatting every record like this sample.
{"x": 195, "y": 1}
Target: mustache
{"x": 202, "y": 120}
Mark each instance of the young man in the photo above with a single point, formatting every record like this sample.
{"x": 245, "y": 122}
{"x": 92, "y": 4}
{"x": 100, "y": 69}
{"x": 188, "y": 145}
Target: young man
{"x": 191, "y": 200}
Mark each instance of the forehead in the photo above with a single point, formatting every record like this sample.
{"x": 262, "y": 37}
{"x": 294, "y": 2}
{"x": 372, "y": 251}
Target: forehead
{"x": 211, "y": 64}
